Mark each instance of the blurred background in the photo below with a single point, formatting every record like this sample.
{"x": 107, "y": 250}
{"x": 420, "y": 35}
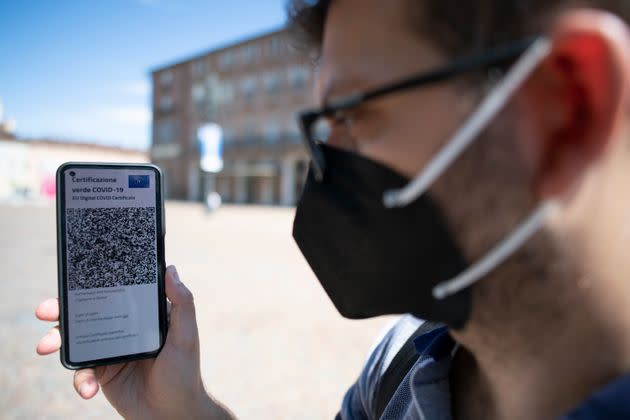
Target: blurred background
{"x": 136, "y": 79}
{"x": 208, "y": 91}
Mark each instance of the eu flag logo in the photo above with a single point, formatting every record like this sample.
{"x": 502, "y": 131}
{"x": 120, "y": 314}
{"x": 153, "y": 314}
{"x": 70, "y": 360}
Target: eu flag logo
{"x": 138, "y": 181}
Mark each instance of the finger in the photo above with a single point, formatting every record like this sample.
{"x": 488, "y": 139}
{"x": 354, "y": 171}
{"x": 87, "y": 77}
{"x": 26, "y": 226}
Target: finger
{"x": 105, "y": 374}
{"x": 183, "y": 323}
{"x": 49, "y": 343}
{"x": 85, "y": 383}
{"x": 48, "y": 310}
{"x": 176, "y": 291}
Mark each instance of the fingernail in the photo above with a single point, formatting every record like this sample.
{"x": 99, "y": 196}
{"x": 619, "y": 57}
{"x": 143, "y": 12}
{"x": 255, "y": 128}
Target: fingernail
{"x": 85, "y": 388}
{"x": 175, "y": 274}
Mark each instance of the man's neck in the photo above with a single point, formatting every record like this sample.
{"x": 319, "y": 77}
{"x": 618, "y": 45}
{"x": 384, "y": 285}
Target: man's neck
{"x": 498, "y": 392}
{"x": 541, "y": 368}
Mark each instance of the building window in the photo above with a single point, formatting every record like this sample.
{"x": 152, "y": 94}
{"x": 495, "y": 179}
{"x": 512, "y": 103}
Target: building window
{"x": 272, "y": 131}
{"x": 220, "y": 92}
{"x": 198, "y": 68}
{"x": 198, "y": 92}
{"x": 248, "y": 87}
{"x": 293, "y": 130}
{"x": 228, "y": 134}
{"x": 166, "y": 78}
{"x": 272, "y": 81}
{"x": 165, "y": 103}
{"x": 226, "y": 59}
{"x": 165, "y": 132}
{"x": 249, "y": 132}
{"x": 226, "y": 93}
{"x": 249, "y": 53}
{"x": 298, "y": 76}
{"x": 276, "y": 46}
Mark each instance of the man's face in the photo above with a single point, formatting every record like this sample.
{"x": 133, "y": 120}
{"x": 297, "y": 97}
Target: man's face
{"x": 367, "y": 45}
{"x": 487, "y": 192}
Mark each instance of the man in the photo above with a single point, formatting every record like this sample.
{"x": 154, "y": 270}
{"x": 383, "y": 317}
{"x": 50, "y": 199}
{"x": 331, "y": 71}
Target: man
{"x": 514, "y": 234}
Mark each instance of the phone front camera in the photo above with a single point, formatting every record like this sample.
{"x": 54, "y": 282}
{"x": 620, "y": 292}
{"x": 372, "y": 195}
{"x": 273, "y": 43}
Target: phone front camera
{"x": 72, "y": 173}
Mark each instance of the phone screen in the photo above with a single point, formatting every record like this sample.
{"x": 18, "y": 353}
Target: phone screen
{"x": 111, "y": 221}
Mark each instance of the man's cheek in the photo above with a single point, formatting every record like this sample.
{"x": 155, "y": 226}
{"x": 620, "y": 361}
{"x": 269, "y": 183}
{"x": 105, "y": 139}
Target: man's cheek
{"x": 384, "y": 152}
{"x": 401, "y": 152}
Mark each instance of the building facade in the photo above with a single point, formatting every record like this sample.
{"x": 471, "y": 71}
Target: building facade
{"x": 252, "y": 89}
{"x": 28, "y": 167}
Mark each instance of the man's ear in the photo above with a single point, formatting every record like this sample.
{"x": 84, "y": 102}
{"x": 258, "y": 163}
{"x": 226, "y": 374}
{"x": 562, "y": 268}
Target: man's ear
{"x": 574, "y": 104}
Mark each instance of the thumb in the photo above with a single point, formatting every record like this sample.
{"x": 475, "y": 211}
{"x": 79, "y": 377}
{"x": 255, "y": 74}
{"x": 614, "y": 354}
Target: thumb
{"x": 183, "y": 324}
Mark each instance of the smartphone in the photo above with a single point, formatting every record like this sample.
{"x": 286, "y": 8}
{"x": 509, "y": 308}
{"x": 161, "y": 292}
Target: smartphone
{"x": 110, "y": 257}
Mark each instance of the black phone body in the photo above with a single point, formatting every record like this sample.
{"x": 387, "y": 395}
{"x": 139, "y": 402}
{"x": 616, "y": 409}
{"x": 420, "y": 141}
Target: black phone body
{"x": 110, "y": 259}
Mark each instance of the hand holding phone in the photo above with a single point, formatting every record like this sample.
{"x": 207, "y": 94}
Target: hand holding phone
{"x": 113, "y": 287}
{"x": 168, "y": 386}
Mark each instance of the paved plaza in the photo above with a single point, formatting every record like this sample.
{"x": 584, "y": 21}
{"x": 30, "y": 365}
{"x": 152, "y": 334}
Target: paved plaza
{"x": 272, "y": 344}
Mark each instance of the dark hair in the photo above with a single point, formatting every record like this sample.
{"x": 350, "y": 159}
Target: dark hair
{"x": 459, "y": 26}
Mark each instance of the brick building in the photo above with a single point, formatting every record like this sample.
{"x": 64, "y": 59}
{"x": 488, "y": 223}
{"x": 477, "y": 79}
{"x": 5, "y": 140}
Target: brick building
{"x": 252, "y": 90}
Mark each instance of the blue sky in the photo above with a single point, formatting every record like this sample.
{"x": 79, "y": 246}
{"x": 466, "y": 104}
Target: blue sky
{"x": 79, "y": 69}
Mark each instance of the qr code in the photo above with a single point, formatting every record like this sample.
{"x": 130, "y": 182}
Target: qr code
{"x": 110, "y": 247}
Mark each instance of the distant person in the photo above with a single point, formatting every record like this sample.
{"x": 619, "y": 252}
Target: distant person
{"x": 213, "y": 201}
{"x": 519, "y": 245}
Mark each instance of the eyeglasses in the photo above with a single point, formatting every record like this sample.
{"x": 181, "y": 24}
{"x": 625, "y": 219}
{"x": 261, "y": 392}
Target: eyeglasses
{"x": 316, "y": 124}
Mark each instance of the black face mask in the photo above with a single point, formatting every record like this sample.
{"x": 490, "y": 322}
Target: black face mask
{"x": 373, "y": 260}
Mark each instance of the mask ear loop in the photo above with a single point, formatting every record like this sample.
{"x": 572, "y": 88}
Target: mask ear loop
{"x": 498, "y": 254}
{"x": 469, "y": 132}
